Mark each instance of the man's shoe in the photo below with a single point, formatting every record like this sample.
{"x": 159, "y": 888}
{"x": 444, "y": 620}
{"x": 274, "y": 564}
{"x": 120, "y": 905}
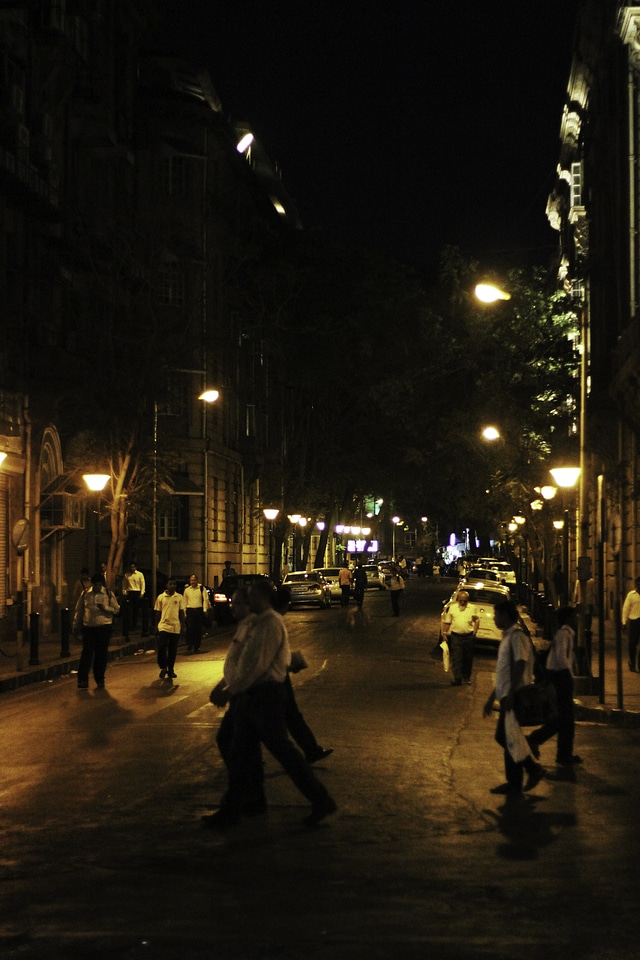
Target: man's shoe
{"x": 534, "y": 777}
{"x": 456, "y": 683}
{"x": 502, "y": 790}
{"x": 83, "y": 686}
{"x": 171, "y": 675}
{"x": 221, "y": 820}
{"x": 322, "y": 754}
{"x": 534, "y": 747}
{"x": 163, "y": 674}
{"x": 319, "y": 811}
{"x": 570, "y": 761}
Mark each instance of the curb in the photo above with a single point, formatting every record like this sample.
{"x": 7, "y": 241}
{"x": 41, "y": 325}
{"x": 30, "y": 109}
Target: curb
{"x": 611, "y": 716}
{"x": 63, "y": 666}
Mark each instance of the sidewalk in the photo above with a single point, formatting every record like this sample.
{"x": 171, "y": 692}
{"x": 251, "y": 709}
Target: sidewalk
{"x": 612, "y": 706}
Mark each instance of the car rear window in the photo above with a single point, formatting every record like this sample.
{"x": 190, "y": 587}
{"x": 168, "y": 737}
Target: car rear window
{"x": 484, "y": 596}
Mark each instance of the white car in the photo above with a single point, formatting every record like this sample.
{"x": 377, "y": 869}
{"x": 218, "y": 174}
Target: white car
{"x": 504, "y": 569}
{"x": 331, "y": 575}
{"x": 308, "y": 588}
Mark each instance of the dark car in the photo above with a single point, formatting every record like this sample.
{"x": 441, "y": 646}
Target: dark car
{"x": 221, "y": 602}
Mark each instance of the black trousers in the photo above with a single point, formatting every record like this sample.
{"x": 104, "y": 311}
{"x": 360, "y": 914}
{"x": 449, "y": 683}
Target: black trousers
{"x": 564, "y": 725}
{"x": 462, "y": 645}
{"x": 634, "y": 638}
{"x": 260, "y": 717}
{"x": 194, "y": 627}
{"x": 95, "y": 644}
{"x": 513, "y": 772}
{"x": 167, "y": 650}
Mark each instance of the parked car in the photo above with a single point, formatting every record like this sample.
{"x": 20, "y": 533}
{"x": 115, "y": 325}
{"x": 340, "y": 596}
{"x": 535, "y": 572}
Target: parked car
{"x": 476, "y": 574}
{"x": 506, "y": 571}
{"x": 222, "y": 603}
{"x": 386, "y": 567}
{"x": 331, "y": 575}
{"x": 308, "y": 587}
{"x": 375, "y": 576}
{"x": 484, "y": 598}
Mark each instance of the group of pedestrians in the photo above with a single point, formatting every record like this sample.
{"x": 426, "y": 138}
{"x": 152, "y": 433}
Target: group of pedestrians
{"x": 175, "y": 615}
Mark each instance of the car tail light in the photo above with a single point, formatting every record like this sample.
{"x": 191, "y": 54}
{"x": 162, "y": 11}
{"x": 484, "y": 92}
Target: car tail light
{"x": 220, "y": 598}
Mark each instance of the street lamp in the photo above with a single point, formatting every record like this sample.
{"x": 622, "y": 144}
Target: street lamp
{"x": 489, "y": 293}
{"x": 395, "y": 521}
{"x": 271, "y": 514}
{"x": 565, "y": 478}
{"x": 96, "y": 482}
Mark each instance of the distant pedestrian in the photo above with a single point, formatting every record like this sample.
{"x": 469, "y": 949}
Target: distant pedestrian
{"x": 170, "y": 619}
{"x": 359, "y": 584}
{"x": 93, "y": 618}
{"x": 133, "y": 587}
{"x": 460, "y": 627}
{"x": 228, "y": 571}
{"x": 559, "y": 668}
{"x": 514, "y": 668}
{"x": 196, "y": 606}
{"x": 631, "y": 620}
{"x": 345, "y": 580}
{"x": 396, "y": 586}
{"x": 436, "y": 570}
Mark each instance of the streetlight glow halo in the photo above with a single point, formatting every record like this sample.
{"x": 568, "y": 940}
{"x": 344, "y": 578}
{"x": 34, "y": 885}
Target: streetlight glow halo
{"x": 489, "y": 293}
{"x": 96, "y": 482}
{"x": 565, "y": 476}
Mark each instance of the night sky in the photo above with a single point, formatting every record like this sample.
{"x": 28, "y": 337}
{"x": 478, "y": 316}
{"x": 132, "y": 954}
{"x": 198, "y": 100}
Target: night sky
{"x": 404, "y": 125}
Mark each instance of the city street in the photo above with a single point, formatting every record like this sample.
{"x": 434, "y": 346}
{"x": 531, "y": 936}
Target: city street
{"x": 104, "y": 854}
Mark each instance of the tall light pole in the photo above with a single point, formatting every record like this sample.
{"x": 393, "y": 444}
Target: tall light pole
{"x": 271, "y": 515}
{"x": 96, "y": 482}
{"x": 566, "y": 478}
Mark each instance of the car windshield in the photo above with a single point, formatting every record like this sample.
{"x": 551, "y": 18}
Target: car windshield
{"x": 484, "y": 596}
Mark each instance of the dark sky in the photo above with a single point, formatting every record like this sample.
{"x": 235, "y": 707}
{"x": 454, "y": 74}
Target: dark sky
{"x": 403, "y": 125}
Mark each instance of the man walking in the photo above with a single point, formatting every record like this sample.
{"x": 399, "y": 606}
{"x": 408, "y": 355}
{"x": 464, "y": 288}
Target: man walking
{"x": 459, "y": 629}
{"x": 169, "y": 614}
{"x": 359, "y": 584}
{"x": 260, "y": 716}
{"x": 93, "y": 616}
{"x": 196, "y": 606}
{"x": 514, "y": 669}
{"x": 133, "y": 589}
{"x": 345, "y": 580}
{"x": 631, "y": 620}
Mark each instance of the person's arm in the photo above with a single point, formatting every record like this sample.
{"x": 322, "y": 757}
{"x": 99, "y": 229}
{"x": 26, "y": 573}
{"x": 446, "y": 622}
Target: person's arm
{"x": 625, "y": 609}
{"x": 78, "y": 614}
{"x": 488, "y": 707}
{"x": 112, "y": 604}
{"x": 142, "y": 585}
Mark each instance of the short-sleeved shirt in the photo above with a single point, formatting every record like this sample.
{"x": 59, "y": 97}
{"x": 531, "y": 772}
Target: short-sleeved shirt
{"x": 515, "y": 645}
{"x": 169, "y": 607}
{"x": 462, "y": 619}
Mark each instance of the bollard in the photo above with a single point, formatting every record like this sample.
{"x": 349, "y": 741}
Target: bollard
{"x": 34, "y": 626}
{"x": 64, "y": 632}
{"x": 126, "y": 618}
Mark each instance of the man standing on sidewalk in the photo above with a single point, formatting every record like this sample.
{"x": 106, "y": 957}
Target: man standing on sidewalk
{"x": 631, "y": 620}
{"x": 459, "y": 629}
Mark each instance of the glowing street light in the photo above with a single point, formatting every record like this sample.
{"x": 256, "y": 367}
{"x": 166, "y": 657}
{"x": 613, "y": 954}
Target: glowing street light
{"x": 489, "y": 293}
{"x": 491, "y": 433}
{"x": 209, "y": 395}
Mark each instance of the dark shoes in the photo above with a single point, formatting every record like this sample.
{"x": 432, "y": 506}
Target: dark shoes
{"x": 322, "y": 754}
{"x": 83, "y": 686}
{"x": 536, "y": 774}
{"x": 221, "y": 820}
{"x": 456, "y": 683}
{"x": 163, "y": 674}
{"x": 319, "y": 811}
{"x": 570, "y": 761}
{"x": 506, "y": 790}
{"x": 171, "y": 675}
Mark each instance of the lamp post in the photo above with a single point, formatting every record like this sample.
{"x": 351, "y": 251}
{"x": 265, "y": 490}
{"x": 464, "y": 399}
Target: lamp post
{"x": 395, "y": 521}
{"x": 96, "y": 482}
{"x": 566, "y": 478}
{"x": 271, "y": 514}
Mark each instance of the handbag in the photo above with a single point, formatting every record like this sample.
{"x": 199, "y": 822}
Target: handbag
{"x": 535, "y": 704}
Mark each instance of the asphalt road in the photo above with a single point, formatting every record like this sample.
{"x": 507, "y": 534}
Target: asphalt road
{"x": 103, "y": 852}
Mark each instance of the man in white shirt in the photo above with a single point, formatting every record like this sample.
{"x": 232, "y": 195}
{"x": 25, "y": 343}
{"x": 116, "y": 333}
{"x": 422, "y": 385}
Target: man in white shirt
{"x": 460, "y": 627}
{"x": 258, "y": 678}
{"x": 133, "y": 587}
{"x": 631, "y": 620}
{"x": 196, "y": 605}
{"x": 514, "y": 668}
{"x": 170, "y": 620}
{"x": 93, "y": 616}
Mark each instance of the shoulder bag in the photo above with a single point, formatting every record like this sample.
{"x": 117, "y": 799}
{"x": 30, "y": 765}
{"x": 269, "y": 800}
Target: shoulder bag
{"x": 535, "y": 704}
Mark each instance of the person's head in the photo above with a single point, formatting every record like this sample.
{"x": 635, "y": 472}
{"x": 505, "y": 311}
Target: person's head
{"x": 97, "y": 580}
{"x": 171, "y": 586}
{"x": 240, "y": 603}
{"x": 463, "y": 598}
{"x": 193, "y": 580}
{"x": 281, "y": 599}
{"x": 227, "y": 563}
{"x": 84, "y": 573}
{"x": 260, "y": 596}
{"x": 566, "y": 615}
{"x": 505, "y": 614}
{"x": 132, "y": 568}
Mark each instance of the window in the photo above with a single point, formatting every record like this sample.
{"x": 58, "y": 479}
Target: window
{"x": 576, "y": 184}
{"x": 173, "y": 520}
{"x": 173, "y": 176}
{"x": 172, "y": 285}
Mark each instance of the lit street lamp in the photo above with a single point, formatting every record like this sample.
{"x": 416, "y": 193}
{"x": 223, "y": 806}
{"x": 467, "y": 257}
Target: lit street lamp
{"x": 565, "y": 478}
{"x": 271, "y": 514}
{"x": 489, "y": 293}
{"x": 96, "y": 482}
